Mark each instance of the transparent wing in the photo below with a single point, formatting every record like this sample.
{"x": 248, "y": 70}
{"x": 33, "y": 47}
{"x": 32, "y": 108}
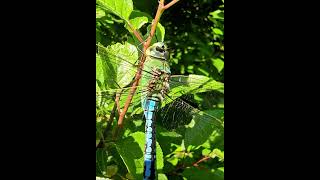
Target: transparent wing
{"x": 116, "y": 65}
{"x": 120, "y": 62}
{"x": 105, "y": 100}
{"x": 116, "y": 68}
{"x": 180, "y": 85}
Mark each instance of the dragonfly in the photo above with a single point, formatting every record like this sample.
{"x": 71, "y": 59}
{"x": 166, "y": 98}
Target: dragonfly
{"x": 158, "y": 89}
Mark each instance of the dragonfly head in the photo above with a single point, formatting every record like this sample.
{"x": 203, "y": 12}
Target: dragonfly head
{"x": 158, "y": 50}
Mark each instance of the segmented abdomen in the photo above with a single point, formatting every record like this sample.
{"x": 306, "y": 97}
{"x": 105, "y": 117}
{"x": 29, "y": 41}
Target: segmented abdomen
{"x": 150, "y": 132}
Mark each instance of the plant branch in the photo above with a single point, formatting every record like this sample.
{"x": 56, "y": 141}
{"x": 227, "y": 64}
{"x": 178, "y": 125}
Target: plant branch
{"x": 160, "y": 10}
{"x": 202, "y": 159}
{"x": 170, "y": 4}
{"x": 154, "y": 24}
{"x": 135, "y": 32}
{"x": 132, "y": 91}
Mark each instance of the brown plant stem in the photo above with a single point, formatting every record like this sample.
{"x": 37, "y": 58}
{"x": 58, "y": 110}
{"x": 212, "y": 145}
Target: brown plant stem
{"x": 146, "y": 45}
{"x": 196, "y": 164}
{"x": 170, "y": 4}
{"x": 135, "y": 32}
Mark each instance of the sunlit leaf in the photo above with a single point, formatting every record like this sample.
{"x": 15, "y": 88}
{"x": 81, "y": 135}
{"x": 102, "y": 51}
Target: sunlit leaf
{"x": 100, "y": 72}
{"x": 218, "y": 14}
{"x": 218, "y": 63}
{"x": 137, "y": 23}
{"x": 121, "y": 8}
{"x": 162, "y": 176}
{"x": 101, "y": 178}
{"x": 206, "y": 152}
{"x": 217, "y": 31}
{"x": 131, "y": 151}
{"x": 99, "y": 12}
{"x": 159, "y": 34}
{"x": 217, "y": 153}
{"x": 115, "y": 71}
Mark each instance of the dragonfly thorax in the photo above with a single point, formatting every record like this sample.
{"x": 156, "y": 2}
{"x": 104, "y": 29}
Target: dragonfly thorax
{"x": 159, "y": 84}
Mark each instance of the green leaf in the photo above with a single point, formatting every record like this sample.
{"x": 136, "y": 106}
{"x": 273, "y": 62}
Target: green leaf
{"x": 217, "y": 138}
{"x": 97, "y": 87}
{"x": 99, "y": 131}
{"x": 115, "y": 69}
{"x": 217, "y": 31}
{"x": 167, "y": 138}
{"x": 98, "y": 36}
{"x": 218, "y": 14}
{"x": 206, "y": 152}
{"x": 204, "y": 174}
{"x": 99, "y": 12}
{"x": 173, "y": 160}
{"x": 100, "y": 73}
{"x": 162, "y": 176}
{"x": 137, "y": 23}
{"x": 137, "y": 20}
{"x": 112, "y": 170}
{"x": 131, "y": 151}
{"x": 129, "y": 176}
{"x": 101, "y": 161}
{"x": 137, "y": 13}
{"x": 201, "y": 127}
{"x": 101, "y": 178}
{"x": 203, "y": 71}
{"x": 159, "y": 34}
{"x": 217, "y": 153}
{"x": 121, "y": 8}
{"x": 220, "y": 172}
{"x": 218, "y": 63}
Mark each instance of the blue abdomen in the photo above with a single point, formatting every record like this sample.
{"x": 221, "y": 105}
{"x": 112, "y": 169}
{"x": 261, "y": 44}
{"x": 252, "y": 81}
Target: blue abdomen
{"x": 150, "y": 107}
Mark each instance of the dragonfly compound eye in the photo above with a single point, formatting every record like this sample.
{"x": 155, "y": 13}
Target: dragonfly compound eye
{"x": 159, "y": 49}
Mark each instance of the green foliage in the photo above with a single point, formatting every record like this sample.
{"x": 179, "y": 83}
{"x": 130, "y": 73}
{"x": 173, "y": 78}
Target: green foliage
{"x": 131, "y": 151}
{"x": 121, "y": 8}
{"x": 194, "y": 32}
{"x": 197, "y": 49}
{"x": 204, "y": 125}
{"x": 115, "y": 74}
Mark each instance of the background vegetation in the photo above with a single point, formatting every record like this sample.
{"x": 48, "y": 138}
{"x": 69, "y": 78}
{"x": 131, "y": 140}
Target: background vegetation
{"x": 194, "y": 32}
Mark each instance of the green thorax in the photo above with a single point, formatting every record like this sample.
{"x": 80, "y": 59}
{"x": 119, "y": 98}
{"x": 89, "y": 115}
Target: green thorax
{"x": 156, "y": 83}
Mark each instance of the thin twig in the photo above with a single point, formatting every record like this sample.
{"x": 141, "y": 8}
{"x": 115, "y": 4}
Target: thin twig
{"x": 132, "y": 91}
{"x": 135, "y": 32}
{"x": 154, "y": 25}
{"x": 202, "y": 159}
{"x": 146, "y": 45}
{"x": 170, "y": 4}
